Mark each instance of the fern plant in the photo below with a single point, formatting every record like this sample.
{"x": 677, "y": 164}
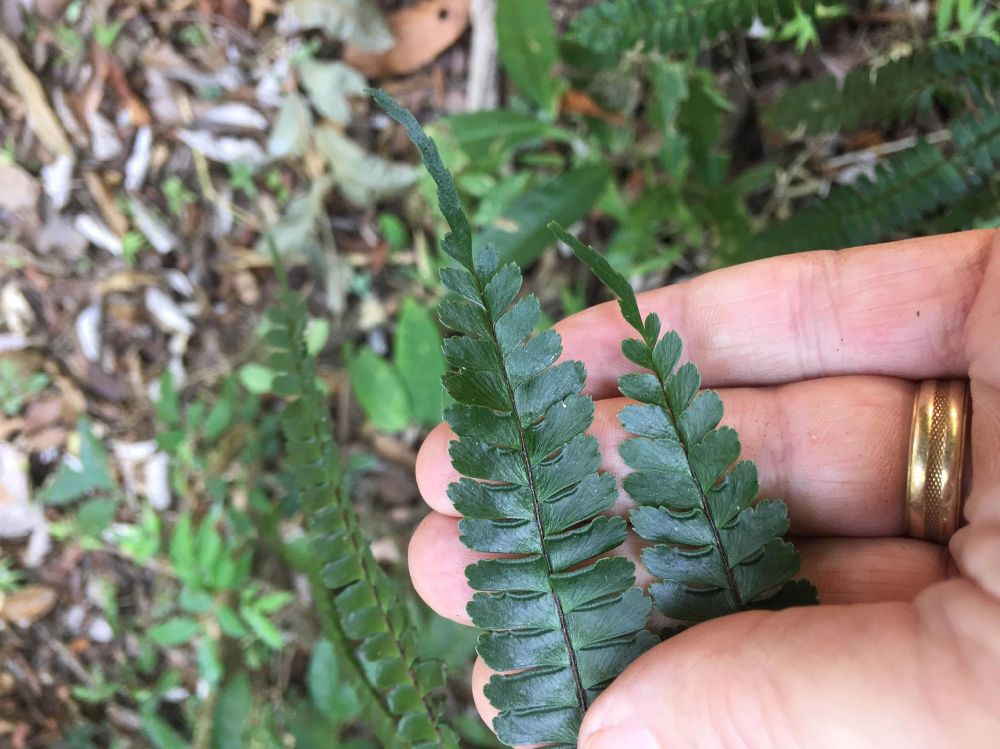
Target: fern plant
{"x": 615, "y": 26}
{"x": 895, "y": 89}
{"x": 360, "y": 609}
{"x": 906, "y": 189}
{"x": 558, "y": 625}
{"x": 714, "y": 549}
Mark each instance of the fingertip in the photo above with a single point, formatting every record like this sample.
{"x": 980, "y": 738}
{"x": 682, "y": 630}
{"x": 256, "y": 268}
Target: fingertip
{"x": 437, "y": 560}
{"x": 481, "y": 674}
{"x": 433, "y": 470}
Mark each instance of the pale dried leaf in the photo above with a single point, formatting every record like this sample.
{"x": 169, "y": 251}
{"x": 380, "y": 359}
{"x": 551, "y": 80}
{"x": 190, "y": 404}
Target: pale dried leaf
{"x": 356, "y": 21}
{"x": 88, "y": 332}
{"x": 362, "y": 177}
{"x": 154, "y": 230}
{"x": 292, "y": 127}
{"x": 15, "y": 311}
{"x": 224, "y": 149}
{"x": 422, "y": 32}
{"x": 234, "y": 114}
{"x": 19, "y": 190}
{"x": 97, "y": 233}
{"x": 137, "y": 165}
{"x": 329, "y": 84}
{"x": 57, "y": 180}
{"x": 18, "y": 516}
{"x": 41, "y": 119}
{"x": 105, "y": 144}
{"x": 28, "y": 605}
{"x": 167, "y": 312}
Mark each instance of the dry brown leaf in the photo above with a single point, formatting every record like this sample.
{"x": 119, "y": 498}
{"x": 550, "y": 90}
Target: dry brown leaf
{"x": 41, "y": 119}
{"x": 259, "y": 10}
{"x": 28, "y": 605}
{"x": 578, "y": 102}
{"x": 422, "y": 33}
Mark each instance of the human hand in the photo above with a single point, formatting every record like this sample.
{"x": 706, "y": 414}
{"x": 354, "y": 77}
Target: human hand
{"x": 815, "y": 357}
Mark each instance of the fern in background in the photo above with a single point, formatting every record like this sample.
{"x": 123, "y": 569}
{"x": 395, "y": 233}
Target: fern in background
{"x": 905, "y": 190}
{"x": 566, "y": 624}
{"x": 365, "y": 617}
{"x": 673, "y": 25}
{"x": 893, "y": 90}
{"x": 715, "y": 550}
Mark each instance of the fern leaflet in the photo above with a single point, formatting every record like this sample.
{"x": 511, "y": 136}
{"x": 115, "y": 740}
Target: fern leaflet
{"x": 367, "y": 621}
{"x": 565, "y": 624}
{"x": 715, "y": 551}
{"x": 673, "y": 25}
{"x": 906, "y": 189}
{"x": 878, "y": 95}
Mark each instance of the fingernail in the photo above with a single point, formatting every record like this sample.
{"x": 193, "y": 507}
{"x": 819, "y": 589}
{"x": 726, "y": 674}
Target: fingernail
{"x": 622, "y": 737}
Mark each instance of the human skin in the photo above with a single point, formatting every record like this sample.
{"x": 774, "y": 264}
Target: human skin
{"x": 816, "y": 357}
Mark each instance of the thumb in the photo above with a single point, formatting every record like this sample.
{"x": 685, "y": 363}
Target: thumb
{"x": 870, "y": 675}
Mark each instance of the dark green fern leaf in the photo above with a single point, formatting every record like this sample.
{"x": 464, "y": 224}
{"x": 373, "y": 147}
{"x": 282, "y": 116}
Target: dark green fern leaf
{"x": 907, "y": 188}
{"x": 367, "y": 620}
{"x": 673, "y": 25}
{"x": 715, "y": 549}
{"x": 896, "y": 89}
{"x": 566, "y": 624}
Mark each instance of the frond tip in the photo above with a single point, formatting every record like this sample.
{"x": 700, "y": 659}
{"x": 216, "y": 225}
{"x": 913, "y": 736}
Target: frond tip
{"x": 559, "y": 626}
{"x": 715, "y": 550}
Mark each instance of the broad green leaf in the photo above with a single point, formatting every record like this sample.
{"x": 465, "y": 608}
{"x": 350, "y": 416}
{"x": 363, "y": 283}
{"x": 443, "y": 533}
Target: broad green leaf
{"x": 419, "y": 361}
{"x": 526, "y": 38}
{"x": 83, "y": 476}
{"x": 317, "y": 333}
{"x": 358, "y": 22}
{"x": 520, "y": 234}
{"x": 182, "y": 550}
{"x": 256, "y": 378}
{"x": 362, "y": 177}
{"x": 233, "y": 710}
{"x": 159, "y": 732}
{"x": 95, "y": 515}
{"x": 176, "y": 631}
{"x": 269, "y": 634}
{"x": 379, "y": 390}
{"x": 489, "y": 137}
{"x": 330, "y": 695}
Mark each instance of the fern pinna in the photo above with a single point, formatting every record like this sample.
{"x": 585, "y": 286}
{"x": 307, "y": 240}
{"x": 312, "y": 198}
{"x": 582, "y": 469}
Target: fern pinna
{"x": 368, "y": 623}
{"x": 673, "y": 25}
{"x": 562, "y": 623}
{"x": 895, "y": 89}
{"x": 714, "y": 550}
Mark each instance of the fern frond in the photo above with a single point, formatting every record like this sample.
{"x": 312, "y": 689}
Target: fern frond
{"x": 906, "y": 189}
{"x": 673, "y": 25}
{"x": 879, "y": 95}
{"x": 715, "y": 549}
{"x": 368, "y": 620}
{"x": 565, "y": 624}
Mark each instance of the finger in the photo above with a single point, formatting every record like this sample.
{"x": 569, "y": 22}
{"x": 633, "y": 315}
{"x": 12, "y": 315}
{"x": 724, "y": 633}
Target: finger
{"x": 896, "y": 308}
{"x": 834, "y": 449}
{"x": 857, "y": 570}
{"x": 977, "y": 546}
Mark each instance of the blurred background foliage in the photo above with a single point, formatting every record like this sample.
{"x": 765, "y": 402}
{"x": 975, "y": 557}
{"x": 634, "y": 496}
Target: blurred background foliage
{"x": 155, "y": 577}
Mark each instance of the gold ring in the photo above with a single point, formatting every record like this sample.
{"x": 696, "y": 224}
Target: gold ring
{"x": 937, "y": 454}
